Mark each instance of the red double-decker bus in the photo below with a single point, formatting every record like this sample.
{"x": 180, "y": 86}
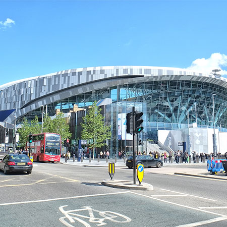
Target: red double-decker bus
{"x": 45, "y": 147}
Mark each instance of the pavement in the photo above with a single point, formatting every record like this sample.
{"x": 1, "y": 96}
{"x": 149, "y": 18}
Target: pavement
{"x": 186, "y": 169}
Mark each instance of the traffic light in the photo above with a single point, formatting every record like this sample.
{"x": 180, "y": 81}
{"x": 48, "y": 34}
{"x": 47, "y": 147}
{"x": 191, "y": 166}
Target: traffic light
{"x": 66, "y": 142}
{"x": 138, "y": 122}
{"x": 30, "y": 138}
{"x": 129, "y": 123}
{"x": 140, "y": 142}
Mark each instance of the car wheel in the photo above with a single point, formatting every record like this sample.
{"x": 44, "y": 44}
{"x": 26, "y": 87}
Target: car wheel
{"x": 5, "y": 171}
{"x": 158, "y": 164}
{"x": 29, "y": 172}
{"x": 130, "y": 167}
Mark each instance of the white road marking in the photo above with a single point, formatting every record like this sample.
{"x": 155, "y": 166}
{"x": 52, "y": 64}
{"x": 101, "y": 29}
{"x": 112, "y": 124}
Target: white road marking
{"x": 203, "y": 222}
{"x": 72, "y": 197}
{"x": 70, "y": 216}
{"x": 202, "y": 178}
{"x": 212, "y": 207}
{"x": 195, "y": 196}
{"x": 168, "y": 195}
{"x": 176, "y": 204}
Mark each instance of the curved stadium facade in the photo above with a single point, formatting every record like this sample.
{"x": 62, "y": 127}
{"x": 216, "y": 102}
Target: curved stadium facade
{"x": 170, "y": 99}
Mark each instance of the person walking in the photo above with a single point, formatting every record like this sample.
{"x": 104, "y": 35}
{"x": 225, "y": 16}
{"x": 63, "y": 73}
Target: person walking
{"x": 68, "y": 155}
{"x": 165, "y": 157}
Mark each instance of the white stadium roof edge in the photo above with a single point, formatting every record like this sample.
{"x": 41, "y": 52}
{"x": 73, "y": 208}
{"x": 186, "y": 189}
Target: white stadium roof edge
{"x": 176, "y": 72}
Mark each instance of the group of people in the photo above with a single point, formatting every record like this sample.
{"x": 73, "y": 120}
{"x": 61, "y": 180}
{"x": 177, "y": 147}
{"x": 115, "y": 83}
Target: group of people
{"x": 184, "y": 156}
{"x": 104, "y": 154}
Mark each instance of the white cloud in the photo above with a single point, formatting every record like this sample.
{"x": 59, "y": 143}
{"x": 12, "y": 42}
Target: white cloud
{"x": 7, "y": 23}
{"x": 216, "y": 61}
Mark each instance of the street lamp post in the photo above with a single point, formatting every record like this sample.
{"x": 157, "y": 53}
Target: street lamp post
{"x": 214, "y": 135}
{"x": 42, "y": 116}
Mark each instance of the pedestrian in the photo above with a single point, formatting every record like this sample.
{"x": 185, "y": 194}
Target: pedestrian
{"x": 170, "y": 156}
{"x": 68, "y": 155}
{"x": 165, "y": 157}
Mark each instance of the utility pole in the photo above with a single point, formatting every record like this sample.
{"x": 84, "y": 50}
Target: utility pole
{"x": 214, "y": 135}
{"x": 14, "y": 133}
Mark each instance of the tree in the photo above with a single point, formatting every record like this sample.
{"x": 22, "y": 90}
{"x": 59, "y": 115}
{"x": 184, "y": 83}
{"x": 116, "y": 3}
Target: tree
{"x": 93, "y": 128}
{"x": 24, "y": 131}
{"x": 57, "y": 125}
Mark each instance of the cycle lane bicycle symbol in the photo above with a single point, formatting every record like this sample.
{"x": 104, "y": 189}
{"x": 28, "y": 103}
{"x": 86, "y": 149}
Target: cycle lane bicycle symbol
{"x": 79, "y": 215}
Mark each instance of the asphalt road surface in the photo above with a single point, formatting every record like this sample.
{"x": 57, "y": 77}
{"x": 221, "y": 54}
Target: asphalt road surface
{"x": 64, "y": 195}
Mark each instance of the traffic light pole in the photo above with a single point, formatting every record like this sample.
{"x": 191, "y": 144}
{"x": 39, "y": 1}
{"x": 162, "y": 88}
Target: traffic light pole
{"x": 134, "y": 128}
{"x": 133, "y": 145}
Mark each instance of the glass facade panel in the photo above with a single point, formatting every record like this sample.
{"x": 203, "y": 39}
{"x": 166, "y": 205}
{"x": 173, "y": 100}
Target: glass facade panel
{"x": 166, "y": 105}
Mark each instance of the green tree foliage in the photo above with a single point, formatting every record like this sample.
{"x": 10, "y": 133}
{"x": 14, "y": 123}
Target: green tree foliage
{"x": 57, "y": 125}
{"x": 93, "y": 128}
{"x": 24, "y": 131}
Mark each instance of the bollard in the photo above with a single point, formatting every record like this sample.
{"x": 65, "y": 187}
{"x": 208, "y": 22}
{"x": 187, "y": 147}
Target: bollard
{"x": 98, "y": 157}
{"x": 171, "y": 159}
{"x": 124, "y": 159}
{"x": 197, "y": 159}
{"x": 162, "y": 159}
{"x": 73, "y": 157}
{"x": 115, "y": 158}
{"x": 65, "y": 158}
{"x": 89, "y": 158}
{"x": 181, "y": 160}
{"x": 82, "y": 158}
{"x": 106, "y": 159}
{"x": 203, "y": 159}
{"x": 111, "y": 169}
{"x": 190, "y": 159}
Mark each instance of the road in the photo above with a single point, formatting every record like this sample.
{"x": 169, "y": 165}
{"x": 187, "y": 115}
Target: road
{"x": 66, "y": 195}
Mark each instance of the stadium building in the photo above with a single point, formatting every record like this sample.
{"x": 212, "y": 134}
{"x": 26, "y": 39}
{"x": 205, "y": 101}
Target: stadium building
{"x": 178, "y": 105}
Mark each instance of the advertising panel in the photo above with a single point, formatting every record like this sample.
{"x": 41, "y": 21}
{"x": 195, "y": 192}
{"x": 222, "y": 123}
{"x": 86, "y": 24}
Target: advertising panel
{"x": 122, "y": 135}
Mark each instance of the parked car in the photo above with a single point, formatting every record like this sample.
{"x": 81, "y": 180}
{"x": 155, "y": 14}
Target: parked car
{"x": 16, "y": 163}
{"x": 146, "y": 160}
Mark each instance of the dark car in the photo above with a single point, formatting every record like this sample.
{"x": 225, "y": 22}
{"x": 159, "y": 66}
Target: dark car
{"x": 146, "y": 160}
{"x": 16, "y": 163}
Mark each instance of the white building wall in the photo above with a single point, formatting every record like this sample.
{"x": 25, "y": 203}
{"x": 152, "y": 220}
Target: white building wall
{"x": 199, "y": 140}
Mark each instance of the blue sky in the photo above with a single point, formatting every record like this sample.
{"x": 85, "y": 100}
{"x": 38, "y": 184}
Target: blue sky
{"x": 39, "y": 37}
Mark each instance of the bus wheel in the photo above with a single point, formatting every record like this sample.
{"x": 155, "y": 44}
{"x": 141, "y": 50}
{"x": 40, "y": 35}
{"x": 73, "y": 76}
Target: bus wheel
{"x": 37, "y": 158}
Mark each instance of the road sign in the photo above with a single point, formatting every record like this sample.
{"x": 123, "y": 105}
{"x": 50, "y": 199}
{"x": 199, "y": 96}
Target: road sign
{"x": 31, "y": 158}
{"x": 111, "y": 169}
{"x": 140, "y": 172}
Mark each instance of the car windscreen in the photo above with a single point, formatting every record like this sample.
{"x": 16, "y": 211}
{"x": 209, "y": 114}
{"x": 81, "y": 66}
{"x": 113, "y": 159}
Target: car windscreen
{"x": 19, "y": 158}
